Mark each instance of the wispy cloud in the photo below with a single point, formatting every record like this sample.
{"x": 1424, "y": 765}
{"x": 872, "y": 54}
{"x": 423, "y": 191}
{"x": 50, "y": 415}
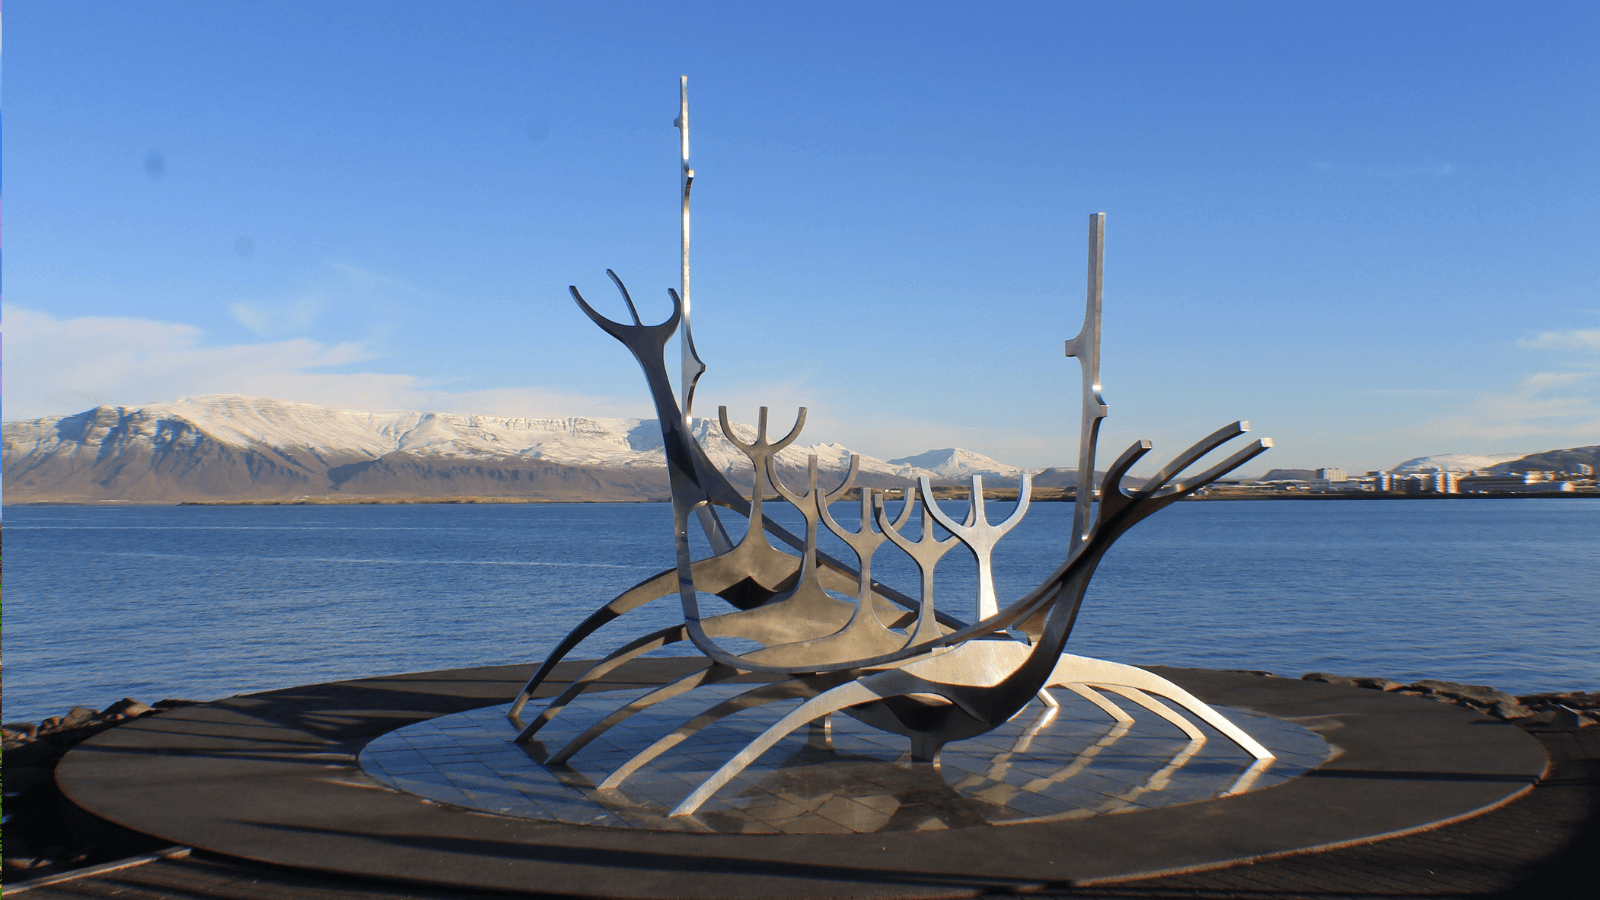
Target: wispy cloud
{"x": 1570, "y": 339}
{"x": 271, "y": 319}
{"x": 63, "y": 366}
{"x": 343, "y": 287}
{"x": 1547, "y": 409}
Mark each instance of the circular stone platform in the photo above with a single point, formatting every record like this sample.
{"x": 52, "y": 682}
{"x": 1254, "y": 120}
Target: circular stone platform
{"x": 275, "y": 777}
{"x": 1072, "y": 761}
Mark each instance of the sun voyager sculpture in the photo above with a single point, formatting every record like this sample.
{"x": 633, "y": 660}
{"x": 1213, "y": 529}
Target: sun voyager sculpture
{"x": 898, "y": 662}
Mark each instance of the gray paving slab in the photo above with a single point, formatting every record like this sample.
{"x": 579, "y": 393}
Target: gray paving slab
{"x": 272, "y": 778}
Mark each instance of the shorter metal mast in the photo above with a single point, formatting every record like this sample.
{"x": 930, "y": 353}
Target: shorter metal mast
{"x": 1086, "y": 349}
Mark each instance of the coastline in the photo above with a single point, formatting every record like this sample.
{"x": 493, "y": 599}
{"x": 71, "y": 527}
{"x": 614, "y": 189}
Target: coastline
{"x": 942, "y": 492}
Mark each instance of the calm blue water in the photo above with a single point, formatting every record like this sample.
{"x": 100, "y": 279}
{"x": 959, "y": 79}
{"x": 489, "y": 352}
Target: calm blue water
{"x": 202, "y": 602}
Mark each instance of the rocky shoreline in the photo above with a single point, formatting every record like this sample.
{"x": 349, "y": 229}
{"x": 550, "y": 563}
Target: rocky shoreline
{"x": 45, "y": 835}
{"x": 1571, "y": 709}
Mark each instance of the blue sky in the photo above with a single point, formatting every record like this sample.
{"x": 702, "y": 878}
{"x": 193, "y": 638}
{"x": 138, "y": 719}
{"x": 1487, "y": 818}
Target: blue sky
{"x": 1370, "y": 229}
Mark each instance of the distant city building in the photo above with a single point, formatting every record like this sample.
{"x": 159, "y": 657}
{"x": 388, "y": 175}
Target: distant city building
{"x": 1330, "y": 479}
{"x": 1514, "y": 483}
{"x": 1435, "y": 480}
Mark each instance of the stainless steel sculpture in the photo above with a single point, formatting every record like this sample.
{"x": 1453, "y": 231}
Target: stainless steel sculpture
{"x": 892, "y": 661}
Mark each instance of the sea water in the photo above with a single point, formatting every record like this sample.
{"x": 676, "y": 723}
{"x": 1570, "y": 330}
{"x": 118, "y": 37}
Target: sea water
{"x": 201, "y": 602}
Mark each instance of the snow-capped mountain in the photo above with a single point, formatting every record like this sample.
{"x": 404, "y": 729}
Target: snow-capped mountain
{"x": 232, "y": 447}
{"x": 1455, "y": 462}
{"x": 953, "y": 462}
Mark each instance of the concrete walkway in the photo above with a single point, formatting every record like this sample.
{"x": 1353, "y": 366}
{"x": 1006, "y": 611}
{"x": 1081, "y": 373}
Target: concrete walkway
{"x": 262, "y": 778}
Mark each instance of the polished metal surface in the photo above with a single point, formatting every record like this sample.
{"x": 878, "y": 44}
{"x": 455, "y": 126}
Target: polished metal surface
{"x": 979, "y": 536}
{"x": 1086, "y": 348}
{"x": 691, "y": 365}
{"x": 692, "y": 368}
{"x": 829, "y": 637}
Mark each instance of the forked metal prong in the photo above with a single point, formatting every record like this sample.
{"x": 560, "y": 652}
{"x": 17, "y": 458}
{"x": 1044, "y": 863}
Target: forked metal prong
{"x": 626, "y": 298}
{"x": 1188, "y": 457}
{"x": 925, "y": 552}
{"x": 979, "y": 535}
{"x": 1238, "y": 459}
{"x": 631, "y": 335}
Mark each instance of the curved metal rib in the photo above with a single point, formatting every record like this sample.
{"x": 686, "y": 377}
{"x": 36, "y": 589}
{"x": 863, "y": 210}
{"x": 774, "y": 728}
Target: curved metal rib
{"x": 655, "y": 640}
{"x": 1075, "y": 671}
{"x": 1098, "y": 699}
{"x": 711, "y": 674}
{"x": 845, "y": 695}
{"x": 652, "y": 588}
{"x": 1161, "y": 709}
{"x": 760, "y": 696}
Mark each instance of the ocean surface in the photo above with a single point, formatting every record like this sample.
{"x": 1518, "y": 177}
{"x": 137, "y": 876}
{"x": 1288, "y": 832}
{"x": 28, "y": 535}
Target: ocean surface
{"x": 204, "y": 602}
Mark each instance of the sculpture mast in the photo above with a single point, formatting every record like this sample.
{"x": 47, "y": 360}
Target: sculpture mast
{"x": 693, "y": 368}
{"x": 1086, "y": 348}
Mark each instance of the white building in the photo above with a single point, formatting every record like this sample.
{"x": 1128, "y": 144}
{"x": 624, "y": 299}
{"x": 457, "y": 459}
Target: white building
{"x": 1515, "y": 483}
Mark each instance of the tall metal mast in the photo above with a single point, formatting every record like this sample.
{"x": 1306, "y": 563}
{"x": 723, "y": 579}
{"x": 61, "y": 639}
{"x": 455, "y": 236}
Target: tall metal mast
{"x": 693, "y": 368}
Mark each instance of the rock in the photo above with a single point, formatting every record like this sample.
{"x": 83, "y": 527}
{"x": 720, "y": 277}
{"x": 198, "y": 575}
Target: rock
{"x": 174, "y": 704}
{"x": 1561, "y": 717}
{"x": 1376, "y": 684}
{"x": 1508, "y": 711}
{"x": 129, "y": 707}
{"x": 23, "y": 863}
{"x": 50, "y": 724}
{"x": 1496, "y": 702}
{"x": 78, "y": 715}
{"x": 1579, "y": 700}
{"x": 26, "y": 729}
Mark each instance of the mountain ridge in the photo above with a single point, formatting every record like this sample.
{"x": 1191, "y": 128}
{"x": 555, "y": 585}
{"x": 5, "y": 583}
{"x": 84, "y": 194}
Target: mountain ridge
{"x": 235, "y": 447}
{"x": 231, "y": 447}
